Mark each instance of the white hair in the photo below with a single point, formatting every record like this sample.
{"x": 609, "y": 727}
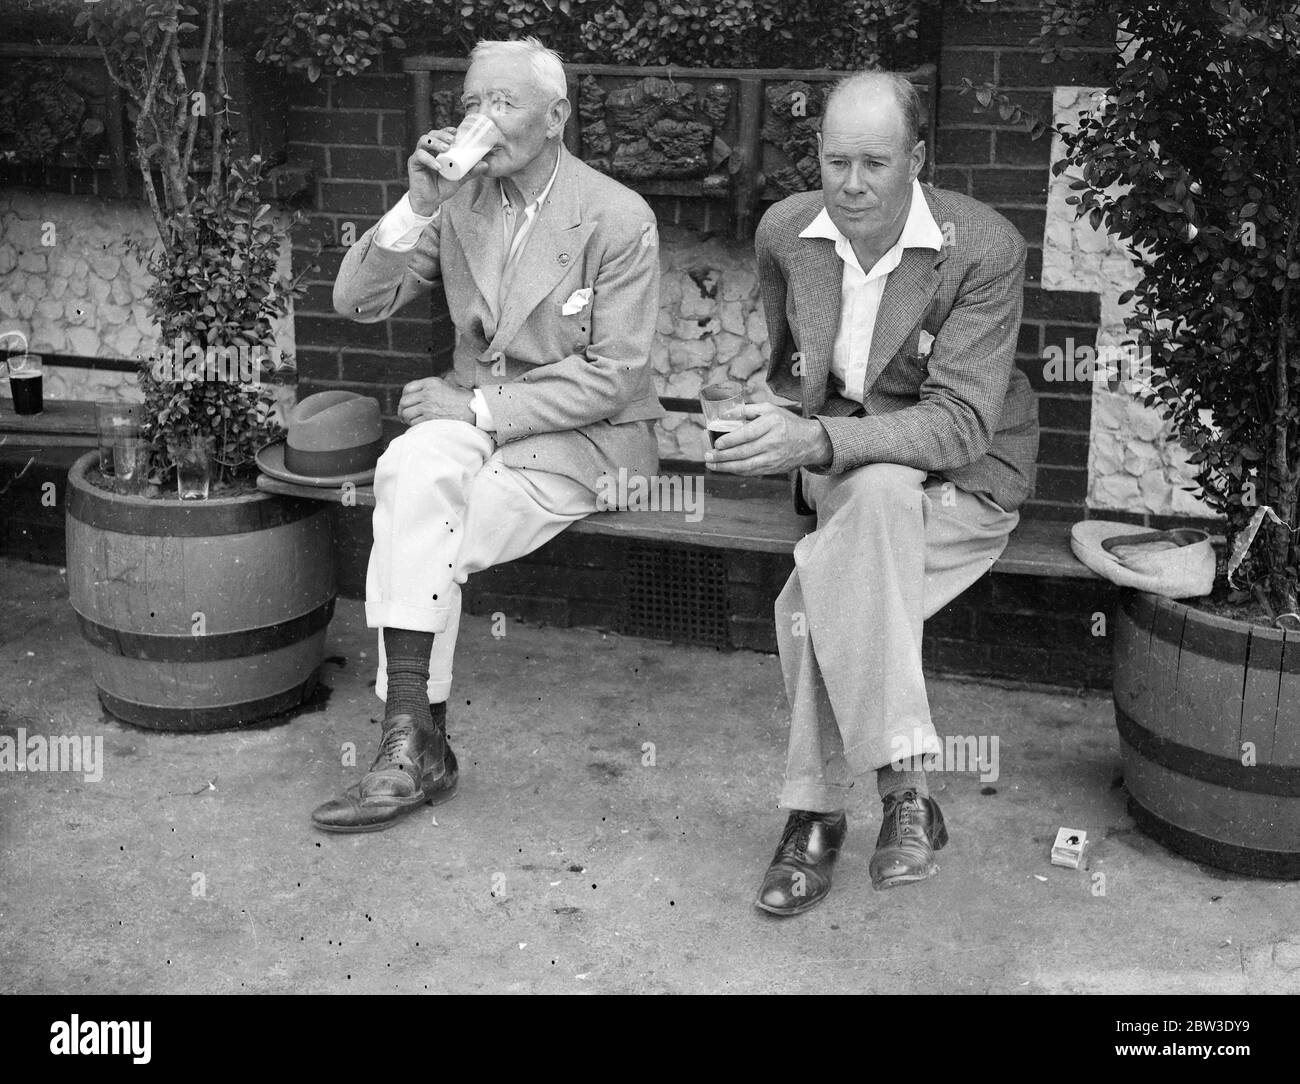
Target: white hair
{"x": 546, "y": 64}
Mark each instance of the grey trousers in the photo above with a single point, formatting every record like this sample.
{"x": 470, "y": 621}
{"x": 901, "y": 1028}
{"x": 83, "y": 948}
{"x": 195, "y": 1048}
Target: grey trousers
{"x": 889, "y": 551}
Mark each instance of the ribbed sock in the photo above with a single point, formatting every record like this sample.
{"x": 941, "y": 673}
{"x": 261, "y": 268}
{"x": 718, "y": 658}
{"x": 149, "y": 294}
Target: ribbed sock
{"x": 910, "y": 775}
{"x": 407, "y": 657}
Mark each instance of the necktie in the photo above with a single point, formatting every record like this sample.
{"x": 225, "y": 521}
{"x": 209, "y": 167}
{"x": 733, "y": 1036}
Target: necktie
{"x": 514, "y": 224}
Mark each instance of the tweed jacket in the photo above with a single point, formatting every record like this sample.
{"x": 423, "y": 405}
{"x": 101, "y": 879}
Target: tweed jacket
{"x": 963, "y": 412}
{"x": 570, "y": 392}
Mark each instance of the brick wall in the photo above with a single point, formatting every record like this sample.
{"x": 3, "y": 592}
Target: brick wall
{"x": 1026, "y": 628}
{"x": 997, "y": 162}
{"x": 1009, "y": 627}
{"x": 354, "y": 133}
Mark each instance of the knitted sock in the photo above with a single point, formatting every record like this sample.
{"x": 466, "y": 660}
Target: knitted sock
{"x": 407, "y": 656}
{"x": 910, "y": 775}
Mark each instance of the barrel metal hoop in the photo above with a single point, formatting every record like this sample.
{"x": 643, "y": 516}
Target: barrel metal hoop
{"x": 185, "y": 519}
{"x": 221, "y": 717}
{"x": 221, "y": 645}
{"x": 1250, "y": 861}
{"x": 1185, "y": 629}
{"x": 1279, "y": 779}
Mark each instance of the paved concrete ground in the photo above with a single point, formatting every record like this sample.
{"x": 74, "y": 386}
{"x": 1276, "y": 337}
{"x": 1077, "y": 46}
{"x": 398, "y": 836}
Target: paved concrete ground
{"x": 566, "y": 864}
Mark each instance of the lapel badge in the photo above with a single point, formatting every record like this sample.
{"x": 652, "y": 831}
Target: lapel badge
{"x": 563, "y": 258}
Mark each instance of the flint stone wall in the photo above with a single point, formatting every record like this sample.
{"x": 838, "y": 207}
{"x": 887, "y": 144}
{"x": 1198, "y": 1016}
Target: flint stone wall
{"x": 84, "y": 294}
{"x": 710, "y": 328}
{"x": 1135, "y": 464}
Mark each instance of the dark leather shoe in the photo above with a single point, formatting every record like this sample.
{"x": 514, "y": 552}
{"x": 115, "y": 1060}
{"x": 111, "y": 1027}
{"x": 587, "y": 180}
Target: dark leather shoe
{"x": 799, "y": 877}
{"x": 912, "y": 831}
{"x": 414, "y": 766}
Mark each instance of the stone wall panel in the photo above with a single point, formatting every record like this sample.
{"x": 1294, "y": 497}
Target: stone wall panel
{"x": 86, "y": 293}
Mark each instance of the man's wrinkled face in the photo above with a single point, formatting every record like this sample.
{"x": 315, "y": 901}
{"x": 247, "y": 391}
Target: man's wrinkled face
{"x": 505, "y": 92}
{"x": 867, "y": 166}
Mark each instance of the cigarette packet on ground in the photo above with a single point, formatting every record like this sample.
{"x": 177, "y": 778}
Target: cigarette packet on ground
{"x": 1068, "y": 848}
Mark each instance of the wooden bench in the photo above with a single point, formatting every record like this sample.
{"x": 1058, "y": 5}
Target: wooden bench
{"x": 765, "y": 522}
{"x": 762, "y": 520}
{"x": 61, "y": 424}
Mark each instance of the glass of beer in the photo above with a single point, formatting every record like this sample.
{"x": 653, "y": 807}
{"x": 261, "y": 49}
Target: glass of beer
{"x": 721, "y": 403}
{"x": 25, "y": 383}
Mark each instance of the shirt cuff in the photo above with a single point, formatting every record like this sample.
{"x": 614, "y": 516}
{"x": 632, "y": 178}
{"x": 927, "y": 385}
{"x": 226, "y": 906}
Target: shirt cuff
{"x": 400, "y": 229}
{"x": 482, "y": 415}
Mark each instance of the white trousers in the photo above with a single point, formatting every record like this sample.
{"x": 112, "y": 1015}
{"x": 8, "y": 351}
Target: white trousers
{"x": 446, "y": 506}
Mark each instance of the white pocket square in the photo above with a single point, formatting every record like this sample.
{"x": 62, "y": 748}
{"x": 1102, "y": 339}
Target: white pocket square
{"x": 578, "y": 300}
{"x": 924, "y": 343}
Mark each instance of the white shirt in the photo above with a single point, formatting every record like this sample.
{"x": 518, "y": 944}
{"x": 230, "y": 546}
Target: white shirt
{"x": 400, "y": 231}
{"x": 861, "y": 291}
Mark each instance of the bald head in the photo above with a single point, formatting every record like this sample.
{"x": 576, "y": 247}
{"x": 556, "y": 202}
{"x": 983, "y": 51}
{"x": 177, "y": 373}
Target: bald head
{"x": 886, "y": 97}
{"x": 870, "y": 156}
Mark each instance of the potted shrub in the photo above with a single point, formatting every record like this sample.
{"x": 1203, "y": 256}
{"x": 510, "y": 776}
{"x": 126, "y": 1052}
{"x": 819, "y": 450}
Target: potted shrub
{"x": 1192, "y": 159}
{"x": 210, "y": 613}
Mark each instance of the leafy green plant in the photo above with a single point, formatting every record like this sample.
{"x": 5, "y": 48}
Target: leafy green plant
{"x": 44, "y": 21}
{"x": 710, "y": 35}
{"x": 753, "y": 33}
{"x": 336, "y": 37}
{"x": 346, "y": 37}
{"x": 43, "y": 116}
{"x": 342, "y": 37}
{"x": 1191, "y": 158}
{"x": 455, "y": 25}
{"x": 856, "y": 34}
{"x": 989, "y": 97}
{"x": 216, "y": 289}
{"x": 54, "y": 22}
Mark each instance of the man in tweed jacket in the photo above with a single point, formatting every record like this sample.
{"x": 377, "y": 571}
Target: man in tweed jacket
{"x": 892, "y": 310}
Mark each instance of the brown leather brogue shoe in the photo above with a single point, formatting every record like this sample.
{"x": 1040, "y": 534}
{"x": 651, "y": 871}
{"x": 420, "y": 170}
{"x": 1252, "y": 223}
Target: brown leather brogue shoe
{"x": 799, "y": 877}
{"x": 912, "y": 831}
{"x": 414, "y": 766}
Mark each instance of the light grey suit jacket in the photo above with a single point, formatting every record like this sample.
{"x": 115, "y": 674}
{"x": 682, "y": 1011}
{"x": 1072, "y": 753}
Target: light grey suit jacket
{"x": 965, "y": 412}
{"x": 577, "y": 396}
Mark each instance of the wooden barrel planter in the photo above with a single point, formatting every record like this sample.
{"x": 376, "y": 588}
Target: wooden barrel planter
{"x": 1208, "y": 712}
{"x": 205, "y": 615}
